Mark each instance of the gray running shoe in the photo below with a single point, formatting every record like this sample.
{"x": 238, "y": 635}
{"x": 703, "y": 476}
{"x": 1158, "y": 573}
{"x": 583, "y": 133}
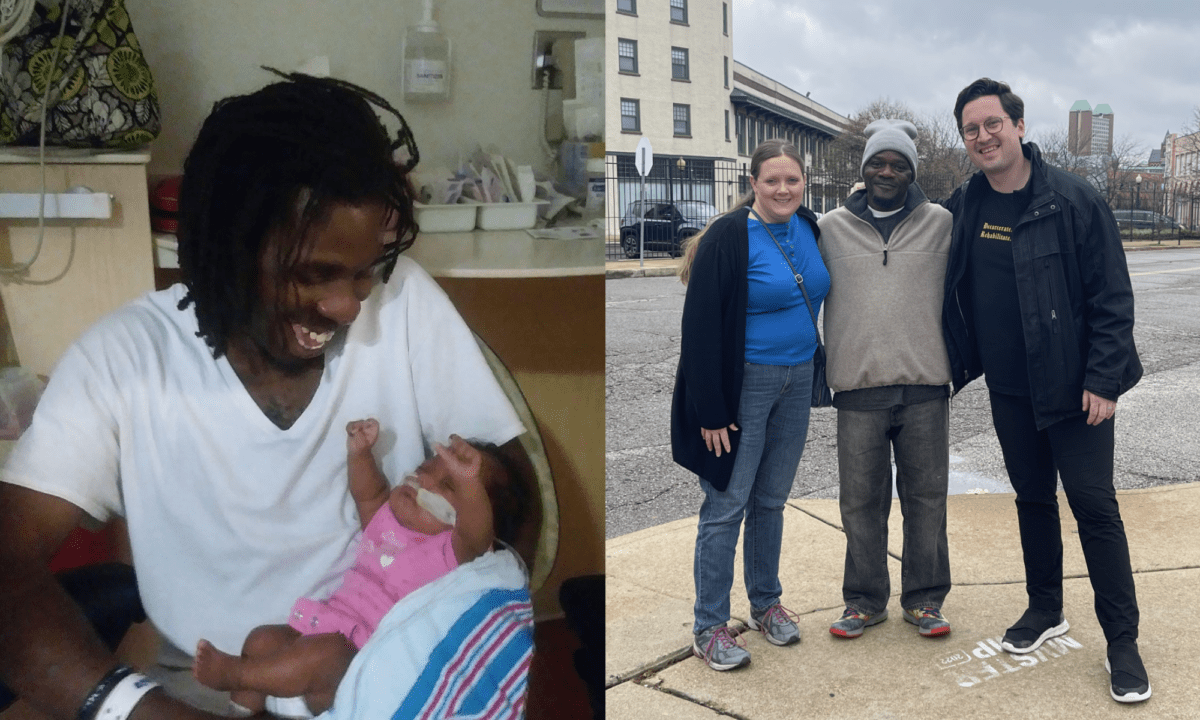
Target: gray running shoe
{"x": 929, "y": 621}
{"x": 777, "y": 623}
{"x": 852, "y": 622}
{"x": 720, "y": 649}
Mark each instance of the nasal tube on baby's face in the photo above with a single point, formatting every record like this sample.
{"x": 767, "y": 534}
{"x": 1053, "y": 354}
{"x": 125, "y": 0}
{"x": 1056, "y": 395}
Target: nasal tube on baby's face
{"x": 437, "y": 505}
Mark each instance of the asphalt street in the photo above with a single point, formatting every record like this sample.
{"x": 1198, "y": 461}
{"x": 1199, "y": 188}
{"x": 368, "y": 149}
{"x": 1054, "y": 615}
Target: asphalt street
{"x": 644, "y": 488}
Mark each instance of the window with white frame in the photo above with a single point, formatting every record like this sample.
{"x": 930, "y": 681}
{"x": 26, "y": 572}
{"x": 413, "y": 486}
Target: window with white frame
{"x": 683, "y": 119}
{"x": 627, "y": 6}
{"x": 631, "y": 116}
{"x": 627, "y": 52}
{"x": 679, "y": 63}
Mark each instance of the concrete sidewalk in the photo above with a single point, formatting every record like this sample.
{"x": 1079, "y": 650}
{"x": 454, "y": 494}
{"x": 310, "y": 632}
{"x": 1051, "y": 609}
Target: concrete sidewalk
{"x": 891, "y": 671}
{"x": 660, "y": 266}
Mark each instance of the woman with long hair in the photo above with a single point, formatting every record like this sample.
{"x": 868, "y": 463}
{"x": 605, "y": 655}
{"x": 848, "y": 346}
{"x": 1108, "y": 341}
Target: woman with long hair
{"x": 739, "y": 417}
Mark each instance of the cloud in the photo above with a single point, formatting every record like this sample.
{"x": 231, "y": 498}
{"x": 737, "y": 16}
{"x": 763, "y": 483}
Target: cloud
{"x": 1138, "y": 58}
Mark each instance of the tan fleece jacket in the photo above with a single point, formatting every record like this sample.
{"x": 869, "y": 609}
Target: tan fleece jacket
{"x": 883, "y": 323}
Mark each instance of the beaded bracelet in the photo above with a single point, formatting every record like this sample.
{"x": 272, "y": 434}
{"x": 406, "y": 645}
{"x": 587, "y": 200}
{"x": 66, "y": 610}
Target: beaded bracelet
{"x": 125, "y": 697}
{"x": 91, "y": 704}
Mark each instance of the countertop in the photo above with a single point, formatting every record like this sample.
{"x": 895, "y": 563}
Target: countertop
{"x": 506, "y": 254}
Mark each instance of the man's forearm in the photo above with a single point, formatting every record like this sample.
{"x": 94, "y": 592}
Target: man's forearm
{"x": 51, "y": 657}
{"x": 49, "y": 654}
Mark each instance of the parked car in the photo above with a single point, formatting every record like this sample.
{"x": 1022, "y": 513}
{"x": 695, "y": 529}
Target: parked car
{"x": 667, "y": 224}
{"x": 1145, "y": 220}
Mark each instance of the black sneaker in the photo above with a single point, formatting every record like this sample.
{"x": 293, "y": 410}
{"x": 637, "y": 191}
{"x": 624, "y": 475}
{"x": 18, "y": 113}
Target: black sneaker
{"x": 1034, "y": 628}
{"x": 1129, "y": 681}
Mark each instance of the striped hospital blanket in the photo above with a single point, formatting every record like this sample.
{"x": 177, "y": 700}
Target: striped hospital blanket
{"x": 459, "y": 647}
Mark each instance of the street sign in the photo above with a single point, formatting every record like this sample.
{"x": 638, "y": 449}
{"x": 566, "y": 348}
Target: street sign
{"x": 643, "y": 158}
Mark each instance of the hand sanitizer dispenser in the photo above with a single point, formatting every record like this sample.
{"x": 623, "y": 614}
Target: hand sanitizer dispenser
{"x": 426, "y": 60}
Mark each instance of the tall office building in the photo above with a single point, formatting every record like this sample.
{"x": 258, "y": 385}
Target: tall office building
{"x": 1090, "y": 132}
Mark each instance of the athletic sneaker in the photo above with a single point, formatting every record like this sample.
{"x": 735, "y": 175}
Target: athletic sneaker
{"x": 929, "y": 621}
{"x": 721, "y": 649}
{"x": 777, "y": 623}
{"x": 1034, "y": 628}
{"x": 852, "y": 622}
{"x": 1129, "y": 682}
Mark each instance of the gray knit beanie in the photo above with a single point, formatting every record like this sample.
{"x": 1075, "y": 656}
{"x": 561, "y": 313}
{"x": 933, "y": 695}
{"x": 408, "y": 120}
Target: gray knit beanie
{"x": 889, "y": 134}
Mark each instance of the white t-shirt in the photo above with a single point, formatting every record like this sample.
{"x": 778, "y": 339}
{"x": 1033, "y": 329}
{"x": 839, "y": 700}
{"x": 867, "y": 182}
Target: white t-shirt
{"x": 231, "y": 518}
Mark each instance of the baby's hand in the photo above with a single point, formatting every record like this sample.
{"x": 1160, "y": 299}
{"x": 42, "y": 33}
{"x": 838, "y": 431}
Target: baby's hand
{"x": 361, "y": 435}
{"x": 464, "y": 462}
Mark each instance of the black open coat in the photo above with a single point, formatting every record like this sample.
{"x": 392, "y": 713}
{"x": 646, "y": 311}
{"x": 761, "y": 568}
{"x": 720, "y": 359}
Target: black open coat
{"x": 1073, "y": 287}
{"x": 712, "y": 352}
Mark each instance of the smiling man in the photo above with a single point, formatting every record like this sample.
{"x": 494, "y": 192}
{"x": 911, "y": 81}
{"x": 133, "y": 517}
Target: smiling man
{"x": 1039, "y": 301}
{"x": 211, "y": 415}
{"x": 886, "y": 251}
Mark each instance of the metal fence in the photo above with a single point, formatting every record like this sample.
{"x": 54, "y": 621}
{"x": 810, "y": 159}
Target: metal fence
{"x": 671, "y": 180}
{"x": 720, "y": 182}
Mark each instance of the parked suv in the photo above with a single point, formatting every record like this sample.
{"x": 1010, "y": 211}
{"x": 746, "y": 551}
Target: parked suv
{"x": 667, "y": 224}
{"x": 1145, "y": 220}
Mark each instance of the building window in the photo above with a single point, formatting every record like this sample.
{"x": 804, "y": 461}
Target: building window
{"x": 726, "y": 126}
{"x": 725, "y": 18}
{"x": 631, "y": 116}
{"x": 627, "y": 6}
{"x": 726, "y": 72}
{"x": 679, "y": 11}
{"x": 683, "y": 120}
{"x": 679, "y": 63}
{"x": 741, "y": 134}
{"x": 627, "y": 51}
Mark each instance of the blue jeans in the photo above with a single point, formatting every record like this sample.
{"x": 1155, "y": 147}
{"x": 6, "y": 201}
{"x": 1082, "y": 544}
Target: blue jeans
{"x": 773, "y": 420}
{"x": 920, "y": 437}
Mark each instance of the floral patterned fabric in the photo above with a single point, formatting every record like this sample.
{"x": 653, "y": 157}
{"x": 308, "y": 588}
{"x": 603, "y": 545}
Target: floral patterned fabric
{"x": 101, "y": 90}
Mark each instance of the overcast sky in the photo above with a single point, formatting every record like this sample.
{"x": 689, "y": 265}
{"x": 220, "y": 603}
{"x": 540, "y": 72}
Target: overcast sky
{"x": 1141, "y": 58}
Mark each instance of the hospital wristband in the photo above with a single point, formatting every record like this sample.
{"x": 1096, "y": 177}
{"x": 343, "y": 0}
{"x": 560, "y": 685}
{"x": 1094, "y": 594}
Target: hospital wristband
{"x": 91, "y": 704}
{"x": 125, "y": 697}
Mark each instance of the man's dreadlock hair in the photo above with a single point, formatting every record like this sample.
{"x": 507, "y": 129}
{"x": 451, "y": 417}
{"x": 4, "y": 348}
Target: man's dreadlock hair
{"x": 276, "y": 161}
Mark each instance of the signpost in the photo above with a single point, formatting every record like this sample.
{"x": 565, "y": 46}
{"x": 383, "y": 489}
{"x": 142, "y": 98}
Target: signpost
{"x": 643, "y": 160}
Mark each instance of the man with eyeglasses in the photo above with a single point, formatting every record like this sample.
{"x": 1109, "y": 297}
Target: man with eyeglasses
{"x": 1039, "y": 301}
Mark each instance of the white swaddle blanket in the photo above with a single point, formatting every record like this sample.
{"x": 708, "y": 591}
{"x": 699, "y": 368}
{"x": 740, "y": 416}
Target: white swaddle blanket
{"x": 457, "y": 647}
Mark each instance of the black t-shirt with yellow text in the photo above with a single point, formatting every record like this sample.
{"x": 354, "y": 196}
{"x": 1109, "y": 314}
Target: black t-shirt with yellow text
{"x": 993, "y": 282}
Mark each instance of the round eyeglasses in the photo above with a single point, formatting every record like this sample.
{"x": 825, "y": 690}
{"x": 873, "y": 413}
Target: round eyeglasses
{"x": 992, "y": 125}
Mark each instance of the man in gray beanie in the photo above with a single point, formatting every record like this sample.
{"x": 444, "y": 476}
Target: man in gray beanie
{"x": 886, "y": 252}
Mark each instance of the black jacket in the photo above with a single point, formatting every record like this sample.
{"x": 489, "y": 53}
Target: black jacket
{"x": 1073, "y": 288}
{"x": 712, "y": 352}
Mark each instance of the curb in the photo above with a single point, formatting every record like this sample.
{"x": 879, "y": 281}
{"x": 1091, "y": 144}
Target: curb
{"x": 619, "y": 273}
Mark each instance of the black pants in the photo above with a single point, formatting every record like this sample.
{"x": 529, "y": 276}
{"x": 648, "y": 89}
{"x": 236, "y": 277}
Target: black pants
{"x": 1082, "y": 454}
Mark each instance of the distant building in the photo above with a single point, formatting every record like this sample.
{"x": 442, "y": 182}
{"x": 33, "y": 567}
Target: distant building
{"x": 1181, "y": 170}
{"x": 677, "y": 84}
{"x": 765, "y": 108}
{"x": 1090, "y": 132}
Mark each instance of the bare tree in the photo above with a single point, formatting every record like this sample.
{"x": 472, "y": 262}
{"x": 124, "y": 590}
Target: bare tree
{"x": 943, "y": 163}
{"x": 1109, "y": 174}
{"x": 1056, "y": 149}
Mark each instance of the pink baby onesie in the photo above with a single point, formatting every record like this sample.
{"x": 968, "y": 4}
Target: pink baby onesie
{"x": 392, "y": 561}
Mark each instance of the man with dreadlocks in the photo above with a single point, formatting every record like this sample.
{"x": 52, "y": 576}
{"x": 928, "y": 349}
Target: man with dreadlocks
{"x": 211, "y": 415}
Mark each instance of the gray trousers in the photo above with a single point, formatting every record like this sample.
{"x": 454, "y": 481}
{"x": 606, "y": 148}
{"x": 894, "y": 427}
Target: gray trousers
{"x": 919, "y": 435}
